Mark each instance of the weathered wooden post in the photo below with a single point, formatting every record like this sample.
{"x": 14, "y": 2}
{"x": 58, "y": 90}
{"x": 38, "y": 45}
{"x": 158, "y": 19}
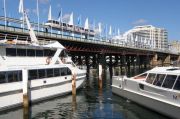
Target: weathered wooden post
{"x": 73, "y": 82}
{"x": 25, "y": 94}
{"x": 100, "y": 76}
{"x": 74, "y": 105}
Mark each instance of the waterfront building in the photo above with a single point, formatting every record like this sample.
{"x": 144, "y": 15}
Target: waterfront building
{"x": 174, "y": 46}
{"x": 146, "y": 36}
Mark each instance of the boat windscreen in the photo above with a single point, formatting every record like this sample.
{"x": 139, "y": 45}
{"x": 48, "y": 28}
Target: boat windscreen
{"x": 142, "y": 76}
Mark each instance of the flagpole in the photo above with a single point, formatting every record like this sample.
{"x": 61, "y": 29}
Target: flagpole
{"x": 38, "y": 14}
{"x": 106, "y": 32}
{"x": 5, "y": 14}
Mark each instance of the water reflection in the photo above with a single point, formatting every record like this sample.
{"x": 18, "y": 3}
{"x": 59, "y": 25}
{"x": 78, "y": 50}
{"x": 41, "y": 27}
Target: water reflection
{"x": 90, "y": 102}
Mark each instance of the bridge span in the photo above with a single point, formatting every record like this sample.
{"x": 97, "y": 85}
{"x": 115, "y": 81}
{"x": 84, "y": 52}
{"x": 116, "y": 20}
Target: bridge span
{"x": 91, "y": 52}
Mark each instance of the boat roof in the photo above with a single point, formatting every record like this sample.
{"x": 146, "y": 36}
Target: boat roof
{"x": 165, "y": 70}
{"x": 12, "y": 68}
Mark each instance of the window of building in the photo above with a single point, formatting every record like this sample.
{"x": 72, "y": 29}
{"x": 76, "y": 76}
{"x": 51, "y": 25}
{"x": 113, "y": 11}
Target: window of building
{"x": 159, "y": 79}
{"x": 177, "y": 85}
{"x": 150, "y": 78}
{"x": 169, "y": 81}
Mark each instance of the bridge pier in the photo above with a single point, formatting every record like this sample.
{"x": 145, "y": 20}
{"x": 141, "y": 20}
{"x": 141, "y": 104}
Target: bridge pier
{"x": 138, "y": 61}
{"x": 167, "y": 60}
{"x": 154, "y": 60}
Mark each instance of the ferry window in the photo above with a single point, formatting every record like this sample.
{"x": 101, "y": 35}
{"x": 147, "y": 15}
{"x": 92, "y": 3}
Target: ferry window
{"x": 20, "y": 75}
{"x": 49, "y": 72}
{"x": 21, "y": 52}
{"x": 41, "y": 73}
{"x": 10, "y": 52}
{"x": 46, "y": 52}
{"x": 150, "y": 78}
{"x": 12, "y": 76}
{"x": 32, "y": 74}
{"x": 177, "y": 85}
{"x": 159, "y": 79}
{"x": 169, "y": 81}
{"x": 142, "y": 76}
{"x": 56, "y": 72}
{"x": 30, "y": 52}
{"x": 68, "y": 71}
{"x": 39, "y": 52}
{"x": 49, "y": 53}
{"x": 63, "y": 71}
{"x": 2, "y": 77}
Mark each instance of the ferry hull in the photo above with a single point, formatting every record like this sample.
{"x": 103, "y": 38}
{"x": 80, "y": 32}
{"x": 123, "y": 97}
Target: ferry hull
{"x": 15, "y": 98}
{"x": 158, "y": 106}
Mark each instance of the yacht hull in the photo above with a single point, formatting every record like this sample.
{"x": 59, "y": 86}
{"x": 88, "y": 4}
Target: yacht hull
{"x": 136, "y": 95}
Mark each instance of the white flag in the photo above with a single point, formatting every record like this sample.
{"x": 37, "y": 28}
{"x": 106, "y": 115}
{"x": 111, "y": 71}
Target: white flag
{"x": 71, "y": 19}
{"x": 99, "y": 25}
{"x": 86, "y": 25}
{"x": 118, "y": 32}
{"x": 110, "y": 30}
{"x": 21, "y": 8}
{"x": 49, "y": 14}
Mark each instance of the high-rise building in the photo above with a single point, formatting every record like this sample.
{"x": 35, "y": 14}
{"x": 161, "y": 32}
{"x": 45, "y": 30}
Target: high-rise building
{"x": 146, "y": 36}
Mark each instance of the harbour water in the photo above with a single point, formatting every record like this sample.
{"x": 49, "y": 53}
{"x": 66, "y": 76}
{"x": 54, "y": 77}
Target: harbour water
{"x": 91, "y": 102}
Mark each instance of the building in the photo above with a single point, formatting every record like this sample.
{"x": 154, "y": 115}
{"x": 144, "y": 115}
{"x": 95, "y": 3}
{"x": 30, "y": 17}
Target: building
{"x": 175, "y": 46}
{"x": 146, "y": 36}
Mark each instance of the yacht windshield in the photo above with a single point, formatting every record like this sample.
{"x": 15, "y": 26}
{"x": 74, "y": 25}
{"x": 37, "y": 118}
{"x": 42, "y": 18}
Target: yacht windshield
{"x": 159, "y": 79}
{"x": 150, "y": 78}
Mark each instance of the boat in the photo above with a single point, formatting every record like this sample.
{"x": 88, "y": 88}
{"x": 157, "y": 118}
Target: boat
{"x": 45, "y": 66}
{"x": 157, "y": 89}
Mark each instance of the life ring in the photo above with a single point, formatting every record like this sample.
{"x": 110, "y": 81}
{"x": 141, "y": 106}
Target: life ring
{"x": 48, "y": 60}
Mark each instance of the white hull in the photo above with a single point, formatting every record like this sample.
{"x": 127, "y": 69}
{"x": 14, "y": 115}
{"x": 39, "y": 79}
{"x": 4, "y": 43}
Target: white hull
{"x": 158, "y": 106}
{"x": 145, "y": 98}
{"x": 38, "y": 92}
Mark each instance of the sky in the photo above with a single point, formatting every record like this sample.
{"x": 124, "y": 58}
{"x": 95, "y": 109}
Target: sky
{"x": 120, "y": 14}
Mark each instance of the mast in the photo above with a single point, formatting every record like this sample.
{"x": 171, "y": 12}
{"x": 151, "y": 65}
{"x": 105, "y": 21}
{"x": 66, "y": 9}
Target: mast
{"x": 33, "y": 37}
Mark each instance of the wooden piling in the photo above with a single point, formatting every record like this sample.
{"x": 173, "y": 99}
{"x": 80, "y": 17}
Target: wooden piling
{"x": 25, "y": 94}
{"x": 73, "y": 83}
{"x": 100, "y": 76}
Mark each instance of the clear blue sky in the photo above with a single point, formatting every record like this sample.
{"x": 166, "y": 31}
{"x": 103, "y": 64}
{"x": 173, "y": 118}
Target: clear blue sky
{"x": 122, "y": 14}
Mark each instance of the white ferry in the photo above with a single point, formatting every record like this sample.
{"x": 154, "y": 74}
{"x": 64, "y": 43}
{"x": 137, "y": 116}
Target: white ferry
{"x": 44, "y": 64}
{"x": 157, "y": 89}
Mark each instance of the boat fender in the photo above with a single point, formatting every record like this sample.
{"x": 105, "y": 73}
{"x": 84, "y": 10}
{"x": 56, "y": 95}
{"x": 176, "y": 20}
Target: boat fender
{"x": 48, "y": 60}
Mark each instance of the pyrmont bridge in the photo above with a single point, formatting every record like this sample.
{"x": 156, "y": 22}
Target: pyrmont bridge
{"x": 90, "y": 50}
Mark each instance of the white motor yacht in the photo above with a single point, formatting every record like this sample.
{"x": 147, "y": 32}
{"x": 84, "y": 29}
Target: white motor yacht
{"x": 157, "y": 89}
